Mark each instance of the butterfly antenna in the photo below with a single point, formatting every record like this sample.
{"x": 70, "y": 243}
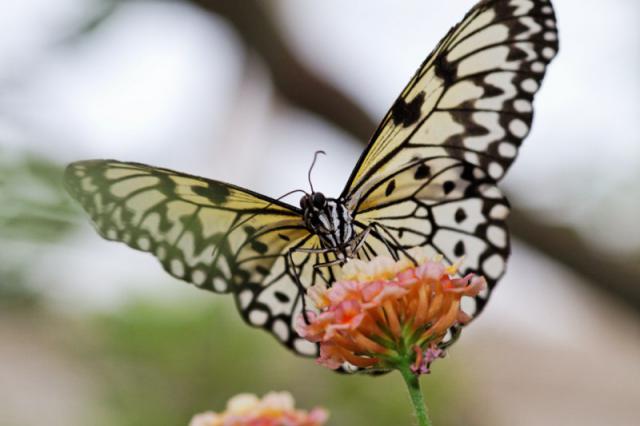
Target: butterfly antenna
{"x": 315, "y": 157}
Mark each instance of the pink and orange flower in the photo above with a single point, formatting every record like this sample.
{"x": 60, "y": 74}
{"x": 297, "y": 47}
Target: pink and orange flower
{"x": 384, "y": 311}
{"x": 274, "y": 409}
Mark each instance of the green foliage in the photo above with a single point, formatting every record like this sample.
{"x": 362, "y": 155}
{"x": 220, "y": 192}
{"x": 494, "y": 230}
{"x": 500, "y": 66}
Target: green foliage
{"x": 160, "y": 365}
{"x": 33, "y": 203}
{"x": 34, "y": 210}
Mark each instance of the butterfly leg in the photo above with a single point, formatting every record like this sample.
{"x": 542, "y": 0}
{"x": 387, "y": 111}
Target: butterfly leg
{"x": 321, "y": 251}
{"x": 360, "y": 239}
{"x": 399, "y": 247}
{"x": 351, "y": 249}
{"x": 312, "y": 250}
{"x": 296, "y": 276}
{"x": 329, "y": 263}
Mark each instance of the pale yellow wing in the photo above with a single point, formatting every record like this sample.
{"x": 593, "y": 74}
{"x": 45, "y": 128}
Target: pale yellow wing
{"x": 217, "y": 236}
{"x": 472, "y": 98}
{"x": 427, "y": 178}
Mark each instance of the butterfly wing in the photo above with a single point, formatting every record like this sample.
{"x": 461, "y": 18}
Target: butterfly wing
{"x": 448, "y": 207}
{"x": 428, "y": 176}
{"x": 217, "y": 236}
{"x": 472, "y": 97}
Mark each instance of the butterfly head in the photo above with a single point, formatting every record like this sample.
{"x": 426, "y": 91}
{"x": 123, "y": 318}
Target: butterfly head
{"x": 314, "y": 206}
{"x": 328, "y": 218}
{"x": 315, "y": 200}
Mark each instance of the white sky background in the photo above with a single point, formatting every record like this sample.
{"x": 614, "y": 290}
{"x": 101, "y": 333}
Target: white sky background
{"x": 164, "y": 84}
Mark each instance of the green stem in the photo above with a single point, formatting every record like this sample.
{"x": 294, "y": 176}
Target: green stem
{"x": 413, "y": 385}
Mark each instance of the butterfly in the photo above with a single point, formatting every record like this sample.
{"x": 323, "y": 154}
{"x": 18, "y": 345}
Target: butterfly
{"x": 426, "y": 179}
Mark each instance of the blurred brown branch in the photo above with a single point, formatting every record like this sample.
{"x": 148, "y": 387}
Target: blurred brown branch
{"x": 303, "y": 88}
{"x": 292, "y": 79}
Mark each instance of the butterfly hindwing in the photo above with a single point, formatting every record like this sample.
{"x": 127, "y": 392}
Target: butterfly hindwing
{"x": 447, "y": 207}
{"x": 272, "y": 295}
{"x": 217, "y": 236}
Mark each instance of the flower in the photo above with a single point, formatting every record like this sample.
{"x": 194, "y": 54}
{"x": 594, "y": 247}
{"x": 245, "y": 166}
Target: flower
{"x": 274, "y": 409}
{"x": 385, "y": 312}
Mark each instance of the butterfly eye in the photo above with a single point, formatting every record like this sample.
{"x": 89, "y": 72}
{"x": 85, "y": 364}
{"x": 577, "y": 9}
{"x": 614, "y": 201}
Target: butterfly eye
{"x": 318, "y": 200}
{"x": 304, "y": 202}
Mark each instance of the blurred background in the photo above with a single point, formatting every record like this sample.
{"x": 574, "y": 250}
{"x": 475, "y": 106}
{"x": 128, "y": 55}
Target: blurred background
{"x": 94, "y": 333}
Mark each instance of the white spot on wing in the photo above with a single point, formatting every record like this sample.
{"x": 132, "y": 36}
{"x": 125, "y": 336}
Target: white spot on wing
{"x": 478, "y": 173}
{"x": 529, "y": 85}
{"x": 537, "y": 67}
{"x": 499, "y": 212}
{"x": 220, "y": 285}
{"x": 305, "y": 347}
{"x": 244, "y": 298}
{"x": 177, "y": 268}
{"x": 490, "y": 191}
{"x": 522, "y": 105}
{"x": 497, "y": 236}
{"x": 198, "y": 277}
{"x": 518, "y": 127}
{"x": 493, "y": 267}
{"x": 507, "y": 150}
{"x": 472, "y": 157}
{"x": 144, "y": 243}
{"x": 548, "y": 52}
{"x": 495, "y": 170}
{"x": 258, "y": 317}
{"x": 281, "y": 330}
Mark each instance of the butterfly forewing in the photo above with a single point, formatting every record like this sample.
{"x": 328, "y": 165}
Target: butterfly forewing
{"x": 217, "y": 236}
{"x": 472, "y": 97}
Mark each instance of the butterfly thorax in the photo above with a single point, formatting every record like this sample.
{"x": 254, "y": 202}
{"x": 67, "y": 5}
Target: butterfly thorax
{"x": 330, "y": 220}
